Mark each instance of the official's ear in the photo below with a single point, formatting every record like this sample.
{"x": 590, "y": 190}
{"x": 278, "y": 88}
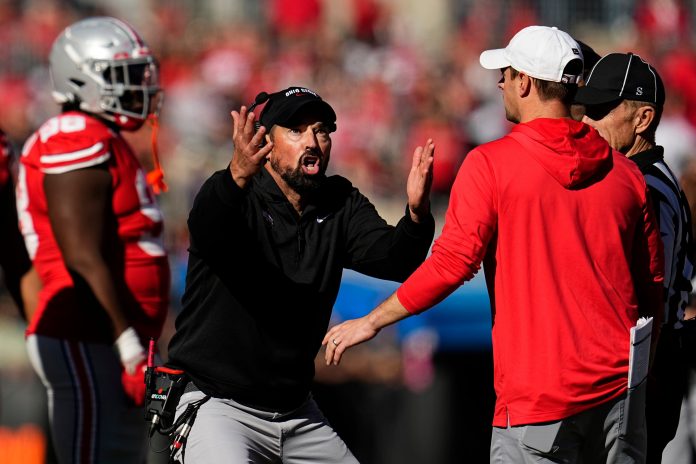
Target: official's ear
{"x": 643, "y": 118}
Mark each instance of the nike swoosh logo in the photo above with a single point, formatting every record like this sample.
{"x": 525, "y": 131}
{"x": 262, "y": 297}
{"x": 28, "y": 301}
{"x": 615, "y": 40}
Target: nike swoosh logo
{"x": 267, "y": 216}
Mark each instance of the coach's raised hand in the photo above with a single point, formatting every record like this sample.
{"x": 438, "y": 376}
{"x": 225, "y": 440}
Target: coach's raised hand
{"x": 420, "y": 179}
{"x": 249, "y": 156}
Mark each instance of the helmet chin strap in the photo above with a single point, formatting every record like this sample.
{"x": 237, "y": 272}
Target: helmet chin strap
{"x": 155, "y": 177}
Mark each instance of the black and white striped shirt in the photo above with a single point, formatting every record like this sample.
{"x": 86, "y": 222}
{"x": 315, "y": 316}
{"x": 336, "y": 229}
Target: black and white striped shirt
{"x": 674, "y": 217}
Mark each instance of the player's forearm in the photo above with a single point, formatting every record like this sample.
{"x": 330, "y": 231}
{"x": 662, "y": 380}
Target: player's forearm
{"x": 101, "y": 281}
{"x": 83, "y": 223}
{"x": 93, "y": 272}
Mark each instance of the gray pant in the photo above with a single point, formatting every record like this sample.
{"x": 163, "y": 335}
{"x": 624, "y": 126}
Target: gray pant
{"x": 612, "y": 433}
{"x": 228, "y": 432}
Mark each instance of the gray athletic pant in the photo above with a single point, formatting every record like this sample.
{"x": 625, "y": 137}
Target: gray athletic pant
{"x": 612, "y": 433}
{"x": 228, "y": 432}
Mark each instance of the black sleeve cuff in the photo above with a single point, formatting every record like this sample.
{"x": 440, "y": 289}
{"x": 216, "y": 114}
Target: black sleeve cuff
{"x": 424, "y": 228}
{"x": 226, "y": 188}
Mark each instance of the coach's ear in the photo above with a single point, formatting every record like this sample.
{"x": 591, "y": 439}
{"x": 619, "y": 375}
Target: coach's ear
{"x": 524, "y": 84}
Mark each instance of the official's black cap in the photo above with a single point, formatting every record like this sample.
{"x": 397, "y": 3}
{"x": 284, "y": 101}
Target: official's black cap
{"x": 282, "y": 106}
{"x": 622, "y": 76}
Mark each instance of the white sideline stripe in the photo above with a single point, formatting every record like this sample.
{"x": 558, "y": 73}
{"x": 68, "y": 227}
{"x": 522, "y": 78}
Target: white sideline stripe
{"x": 60, "y": 158}
{"x": 73, "y": 167}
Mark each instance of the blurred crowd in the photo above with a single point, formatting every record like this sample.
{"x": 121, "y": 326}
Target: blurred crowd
{"x": 396, "y": 71}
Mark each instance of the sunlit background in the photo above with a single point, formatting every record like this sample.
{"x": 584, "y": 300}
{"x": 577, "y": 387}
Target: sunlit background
{"x": 396, "y": 72}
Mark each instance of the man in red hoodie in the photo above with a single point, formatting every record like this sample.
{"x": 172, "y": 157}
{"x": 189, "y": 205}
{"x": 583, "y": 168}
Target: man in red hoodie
{"x": 565, "y": 229}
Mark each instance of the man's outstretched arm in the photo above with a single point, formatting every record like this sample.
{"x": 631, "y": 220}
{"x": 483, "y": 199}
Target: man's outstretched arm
{"x": 355, "y": 331}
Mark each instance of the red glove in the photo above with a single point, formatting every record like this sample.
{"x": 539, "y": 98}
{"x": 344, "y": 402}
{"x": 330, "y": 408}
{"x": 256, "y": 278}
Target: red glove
{"x": 134, "y": 384}
{"x": 133, "y": 365}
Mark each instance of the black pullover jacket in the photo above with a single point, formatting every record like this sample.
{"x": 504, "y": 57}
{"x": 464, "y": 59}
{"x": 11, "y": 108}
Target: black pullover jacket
{"x": 262, "y": 281}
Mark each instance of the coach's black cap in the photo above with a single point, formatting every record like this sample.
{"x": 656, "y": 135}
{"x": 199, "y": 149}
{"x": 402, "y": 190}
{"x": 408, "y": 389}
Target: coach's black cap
{"x": 622, "y": 76}
{"x": 282, "y": 106}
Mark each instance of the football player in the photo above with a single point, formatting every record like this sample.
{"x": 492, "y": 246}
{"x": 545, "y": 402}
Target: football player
{"x": 94, "y": 233}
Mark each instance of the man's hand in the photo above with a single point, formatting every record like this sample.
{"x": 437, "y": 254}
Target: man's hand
{"x": 248, "y": 157}
{"x": 134, "y": 384}
{"x": 133, "y": 365}
{"x": 419, "y": 181}
{"x": 342, "y": 336}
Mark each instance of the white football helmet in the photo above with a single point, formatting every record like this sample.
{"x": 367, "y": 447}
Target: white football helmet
{"x": 102, "y": 65}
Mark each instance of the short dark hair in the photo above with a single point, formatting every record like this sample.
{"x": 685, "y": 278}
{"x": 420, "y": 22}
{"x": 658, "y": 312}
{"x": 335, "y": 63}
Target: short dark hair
{"x": 549, "y": 90}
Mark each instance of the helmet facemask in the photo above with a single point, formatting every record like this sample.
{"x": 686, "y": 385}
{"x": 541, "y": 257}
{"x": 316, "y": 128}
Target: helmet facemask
{"x": 128, "y": 89}
{"x": 103, "y": 66}
{"x": 129, "y": 86}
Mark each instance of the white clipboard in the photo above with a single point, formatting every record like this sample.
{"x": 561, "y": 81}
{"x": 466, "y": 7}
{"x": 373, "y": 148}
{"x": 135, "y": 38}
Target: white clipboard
{"x": 639, "y": 354}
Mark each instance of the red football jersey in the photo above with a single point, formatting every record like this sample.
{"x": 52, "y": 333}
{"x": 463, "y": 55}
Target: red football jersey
{"x": 74, "y": 141}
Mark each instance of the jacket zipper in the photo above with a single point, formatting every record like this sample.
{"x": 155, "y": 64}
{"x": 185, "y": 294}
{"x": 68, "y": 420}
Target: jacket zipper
{"x": 300, "y": 242}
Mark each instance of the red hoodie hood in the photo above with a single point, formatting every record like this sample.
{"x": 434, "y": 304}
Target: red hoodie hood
{"x": 568, "y": 150}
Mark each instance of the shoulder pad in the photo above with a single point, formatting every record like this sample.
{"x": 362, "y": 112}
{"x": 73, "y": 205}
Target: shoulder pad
{"x": 72, "y": 141}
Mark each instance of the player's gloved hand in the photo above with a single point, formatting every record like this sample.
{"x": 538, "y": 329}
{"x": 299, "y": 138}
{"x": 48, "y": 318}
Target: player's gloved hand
{"x": 134, "y": 384}
{"x": 134, "y": 364}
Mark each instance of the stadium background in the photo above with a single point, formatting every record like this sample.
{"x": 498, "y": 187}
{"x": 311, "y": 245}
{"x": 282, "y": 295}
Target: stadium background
{"x": 397, "y": 72}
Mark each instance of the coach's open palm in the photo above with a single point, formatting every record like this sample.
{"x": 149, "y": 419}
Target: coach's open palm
{"x": 248, "y": 157}
{"x": 420, "y": 178}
